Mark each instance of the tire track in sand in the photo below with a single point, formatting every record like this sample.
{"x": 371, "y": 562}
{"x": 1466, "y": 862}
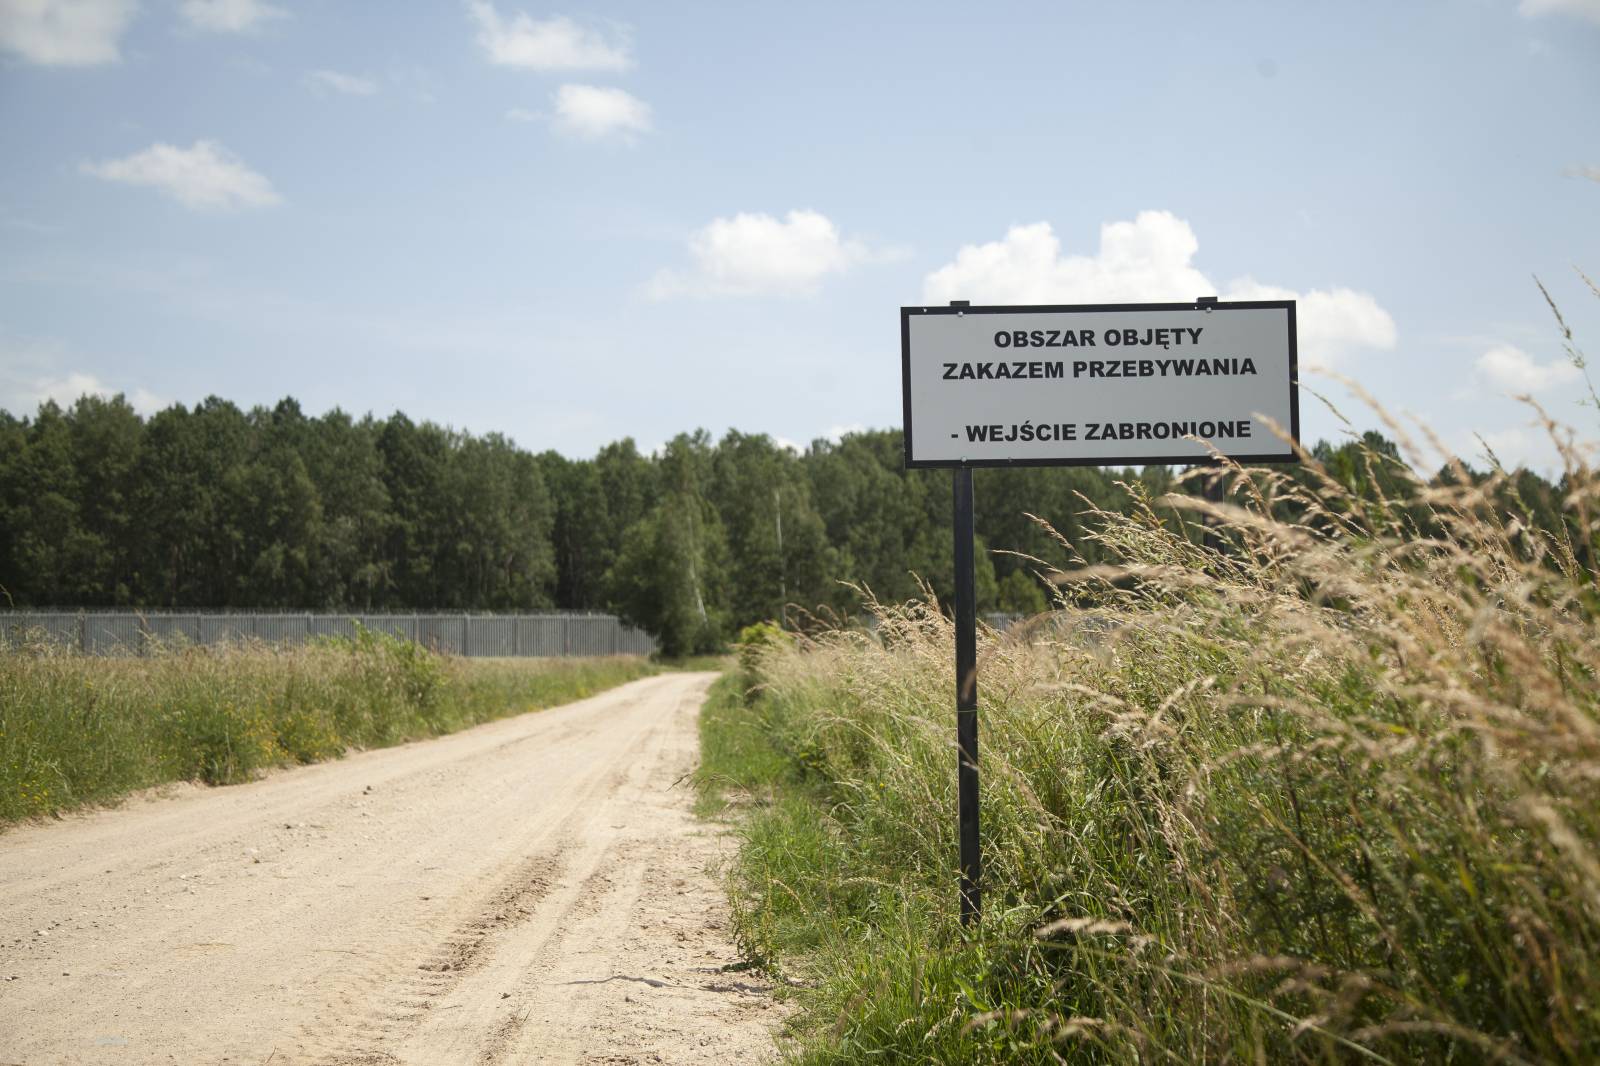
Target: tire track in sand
{"x": 532, "y": 890}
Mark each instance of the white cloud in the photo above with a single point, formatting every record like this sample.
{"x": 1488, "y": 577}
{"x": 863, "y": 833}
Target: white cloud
{"x": 1514, "y": 371}
{"x": 229, "y": 16}
{"x": 593, "y": 112}
{"x": 349, "y": 84}
{"x": 554, "y": 44}
{"x": 1332, "y": 323}
{"x": 204, "y": 176}
{"x": 752, "y": 254}
{"x": 67, "y": 390}
{"x": 1587, "y": 9}
{"x": 1583, "y": 170}
{"x": 65, "y": 33}
{"x": 22, "y": 395}
{"x": 1147, "y": 260}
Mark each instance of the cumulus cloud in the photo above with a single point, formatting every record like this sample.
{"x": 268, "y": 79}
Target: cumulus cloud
{"x": 592, "y": 112}
{"x": 753, "y": 254}
{"x": 1513, "y": 370}
{"x": 22, "y": 395}
{"x": 229, "y": 16}
{"x": 203, "y": 176}
{"x": 553, "y": 44}
{"x": 1146, "y": 259}
{"x": 1584, "y": 9}
{"x": 65, "y": 33}
{"x": 1332, "y": 323}
{"x": 1583, "y": 170}
{"x": 1149, "y": 259}
{"x": 348, "y": 84}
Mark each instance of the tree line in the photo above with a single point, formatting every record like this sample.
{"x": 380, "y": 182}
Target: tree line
{"x": 213, "y": 506}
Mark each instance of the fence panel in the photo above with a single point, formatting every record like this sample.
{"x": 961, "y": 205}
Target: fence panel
{"x": 136, "y": 632}
{"x": 493, "y": 635}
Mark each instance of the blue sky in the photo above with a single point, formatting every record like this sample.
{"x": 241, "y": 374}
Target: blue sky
{"x": 571, "y": 224}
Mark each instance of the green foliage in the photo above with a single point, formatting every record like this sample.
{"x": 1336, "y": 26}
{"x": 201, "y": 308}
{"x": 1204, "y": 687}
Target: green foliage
{"x": 217, "y": 742}
{"x": 1021, "y": 593}
{"x": 670, "y": 577}
{"x": 756, "y": 641}
{"x": 765, "y": 502}
{"x": 213, "y": 507}
{"x": 217, "y": 507}
{"x": 76, "y": 730}
{"x": 739, "y": 763}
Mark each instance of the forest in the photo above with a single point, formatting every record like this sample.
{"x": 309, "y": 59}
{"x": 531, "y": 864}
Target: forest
{"x": 214, "y": 506}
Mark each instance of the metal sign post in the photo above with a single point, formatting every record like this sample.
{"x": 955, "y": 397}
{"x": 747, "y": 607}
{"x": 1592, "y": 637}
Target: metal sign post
{"x": 1082, "y": 385}
{"x": 966, "y": 695}
{"x": 967, "y": 703}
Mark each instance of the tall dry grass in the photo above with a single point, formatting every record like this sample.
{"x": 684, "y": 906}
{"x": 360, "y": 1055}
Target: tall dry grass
{"x": 1320, "y": 785}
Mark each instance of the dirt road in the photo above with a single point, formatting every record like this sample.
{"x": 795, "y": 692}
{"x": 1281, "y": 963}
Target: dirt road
{"x": 530, "y": 891}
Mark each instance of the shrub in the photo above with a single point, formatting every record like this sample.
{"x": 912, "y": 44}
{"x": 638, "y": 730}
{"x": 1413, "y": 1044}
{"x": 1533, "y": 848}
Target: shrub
{"x": 755, "y": 641}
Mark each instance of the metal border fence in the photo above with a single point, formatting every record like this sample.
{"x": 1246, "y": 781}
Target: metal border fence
{"x": 136, "y": 632}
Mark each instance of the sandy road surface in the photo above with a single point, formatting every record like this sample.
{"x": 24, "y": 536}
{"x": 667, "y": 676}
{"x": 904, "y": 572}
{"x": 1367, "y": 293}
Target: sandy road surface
{"x": 530, "y": 891}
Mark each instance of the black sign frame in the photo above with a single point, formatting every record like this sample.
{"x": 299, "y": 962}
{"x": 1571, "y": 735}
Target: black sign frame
{"x": 1286, "y": 456}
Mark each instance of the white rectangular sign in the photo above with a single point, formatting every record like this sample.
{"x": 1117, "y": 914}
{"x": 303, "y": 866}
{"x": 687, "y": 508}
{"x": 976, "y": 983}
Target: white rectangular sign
{"x": 1102, "y": 385}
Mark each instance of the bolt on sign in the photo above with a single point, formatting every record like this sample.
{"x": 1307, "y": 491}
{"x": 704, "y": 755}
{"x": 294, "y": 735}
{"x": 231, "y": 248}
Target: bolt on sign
{"x": 1098, "y": 384}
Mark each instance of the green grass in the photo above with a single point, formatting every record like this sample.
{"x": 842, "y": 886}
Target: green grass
{"x": 739, "y": 763}
{"x": 695, "y": 663}
{"x": 1328, "y": 795}
{"x": 78, "y": 730}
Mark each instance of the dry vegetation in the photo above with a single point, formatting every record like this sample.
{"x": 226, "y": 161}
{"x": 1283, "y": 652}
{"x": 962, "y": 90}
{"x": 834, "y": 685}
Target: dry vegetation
{"x": 1318, "y": 786}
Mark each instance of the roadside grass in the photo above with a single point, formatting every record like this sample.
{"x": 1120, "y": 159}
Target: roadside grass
{"x": 694, "y": 663}
{"x": 740, "y": 763}
{"x": 77, "y": 730}
{"x": 1324, "y": 789}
